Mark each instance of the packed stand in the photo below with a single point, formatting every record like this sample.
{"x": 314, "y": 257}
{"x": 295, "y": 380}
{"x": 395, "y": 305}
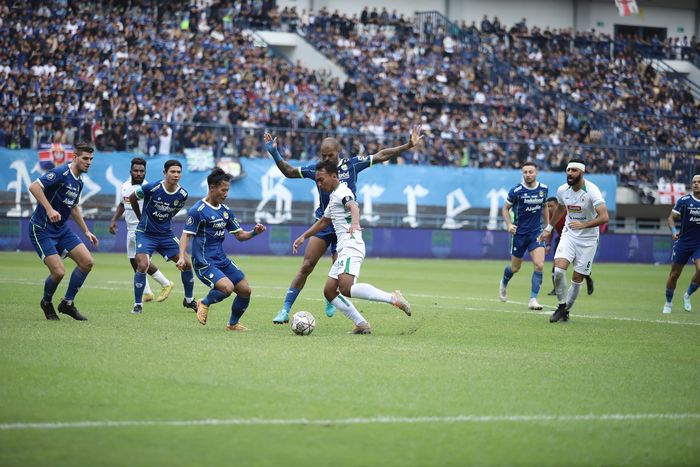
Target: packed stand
{"x": 159, "y": 78}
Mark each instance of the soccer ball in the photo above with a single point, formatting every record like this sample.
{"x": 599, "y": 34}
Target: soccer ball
{"x": 303, "y": 323}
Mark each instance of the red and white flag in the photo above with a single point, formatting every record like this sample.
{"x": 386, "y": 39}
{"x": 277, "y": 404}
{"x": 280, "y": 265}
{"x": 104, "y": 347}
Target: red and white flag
{"x": 627, "y": 7}
{"x": 669, "y": 193}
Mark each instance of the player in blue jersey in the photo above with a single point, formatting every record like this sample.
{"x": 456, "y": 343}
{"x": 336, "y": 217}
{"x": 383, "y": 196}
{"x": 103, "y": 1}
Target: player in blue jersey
{"x": 686, "y": 244}
{"x": 528, "y": 201}
{"x": 161, "y": 201}
{"x": 58, "y": 193}
{"x": 207, "y": 221}
{"x": 348, "y": 170}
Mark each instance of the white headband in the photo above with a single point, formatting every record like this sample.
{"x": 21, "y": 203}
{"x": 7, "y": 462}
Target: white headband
{"x": 576, "y": 165}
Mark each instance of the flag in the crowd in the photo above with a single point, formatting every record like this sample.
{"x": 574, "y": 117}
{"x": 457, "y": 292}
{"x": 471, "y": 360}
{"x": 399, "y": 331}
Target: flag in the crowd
{"x": 669, "y": 193}
{"x": 53, "y": 155}
{"x": 627, "y": 7}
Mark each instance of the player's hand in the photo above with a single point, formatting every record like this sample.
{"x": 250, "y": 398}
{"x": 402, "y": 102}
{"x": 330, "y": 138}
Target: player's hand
{"x": 113, "y": 228}
{"x": 415, "y": 135}
{"x": 354, "y": 228}
{"x": 544, "y": 236}
{"x": 259, "y": 228}
{"x": 577, "y": 225}
{"x": 297, "y": 243}
{"x": 270, "y": 142}
{"x": 181, "y": 263}
{"x": 675, "y": 236}
{"x": 94, "y": 240}
{"x": 53, "y": 215}
{"x": 512, "y": 228}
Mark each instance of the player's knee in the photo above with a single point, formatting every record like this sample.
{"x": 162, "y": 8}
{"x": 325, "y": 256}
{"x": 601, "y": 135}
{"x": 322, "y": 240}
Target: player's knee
{"x": 58, "y": 273}
{"x": 243, "y": 291}
{"x": 539, "y": 266}
{"x": 307, "y": 266}
{"x": 86, "y": 264}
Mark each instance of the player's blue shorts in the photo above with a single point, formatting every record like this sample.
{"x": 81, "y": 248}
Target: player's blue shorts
{"x": 167, "y": 245}
{"x": 212, "y": 273}
{"x": 682, "y": 252}
{"x": 522, "y": 243}
{"x": 328, "y": 236}
{"x": 50, "y": 242}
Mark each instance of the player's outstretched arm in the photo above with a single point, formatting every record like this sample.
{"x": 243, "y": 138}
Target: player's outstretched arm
{"x": 320, "y": 224}
{"x": 78, "y": 218}
{"x": 117, "y": 215}
{"x": 242, "y": 235}
{"x": 388, "y": 153}
{"x": 286, "y": 169}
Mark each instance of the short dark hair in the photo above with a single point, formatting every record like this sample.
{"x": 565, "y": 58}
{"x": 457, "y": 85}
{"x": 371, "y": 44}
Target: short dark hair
{"x": 81, "y": 147}
{"x": 217, "y": 176}
{"x": 327, "y": 165}
{"x": 580, "y": 161}
{"x": 553, "y": 198}
{"x": 138, "y": 161}
{"x": 171, "y": 163}
{"x": 527, "y": 164}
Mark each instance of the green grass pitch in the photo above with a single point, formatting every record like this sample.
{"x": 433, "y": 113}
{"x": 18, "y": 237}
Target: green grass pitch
{"x": 466, "y": 381}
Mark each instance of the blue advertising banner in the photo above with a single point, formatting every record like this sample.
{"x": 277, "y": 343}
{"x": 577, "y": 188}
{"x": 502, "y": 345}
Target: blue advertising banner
{"x": 454, "y": 189}
{"x": 380, "y": 242}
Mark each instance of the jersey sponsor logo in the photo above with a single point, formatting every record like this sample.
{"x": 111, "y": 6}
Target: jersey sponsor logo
{"x": 362, "y": 158}
{"x": 183, "y": 192}
{"x": 574, "y": 208}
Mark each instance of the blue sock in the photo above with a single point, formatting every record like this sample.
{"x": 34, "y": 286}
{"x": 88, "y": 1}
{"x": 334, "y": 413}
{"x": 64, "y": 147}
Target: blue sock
{"x": 692, "y": 288}
{"x": 290, "y": 298}
{"x": 214, "y": 296}
{"x": 669, "y": 295}
{"x": 188, "y": 281}
{"x": 139, "y": 284}
{"x": 536, "y": 283}
{"x": 76, "y": 281}
{"x": 239, "y": 306}
{"x": 507, "y": 275}
{"x": 49, "y": 289}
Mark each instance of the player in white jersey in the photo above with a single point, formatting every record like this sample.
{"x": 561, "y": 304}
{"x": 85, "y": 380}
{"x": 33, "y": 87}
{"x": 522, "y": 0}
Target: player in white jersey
{"x": 138, "y": 178}
{"x": 585, "y": 211}
{"x": 343, "y": 211}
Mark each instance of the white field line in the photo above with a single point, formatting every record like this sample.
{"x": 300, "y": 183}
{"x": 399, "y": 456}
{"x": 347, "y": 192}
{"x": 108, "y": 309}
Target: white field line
{"x": 353, "y": 421}
{"x": 126, "y": 285}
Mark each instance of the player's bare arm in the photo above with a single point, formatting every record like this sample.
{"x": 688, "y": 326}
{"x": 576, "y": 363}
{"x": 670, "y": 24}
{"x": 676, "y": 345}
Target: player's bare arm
{"x": 38, "y": 192}
{"x": 505, "y": 212}
{"x": 134, "y": 201}
{"x": 117, "y": 215}
{"x": 672, "y": 218}
{"x": 182, "y": 257}
{"x": 389, "y": 153}
{"x": 547, "y": 232}
{"x": 287, "y": 170}
{"x": 77, "y": 214}
{"x": 354, "y": 218}
{"x": 600, "y": 219}
{"x": 243, "y": 235}
{"x": 320, "y": 224}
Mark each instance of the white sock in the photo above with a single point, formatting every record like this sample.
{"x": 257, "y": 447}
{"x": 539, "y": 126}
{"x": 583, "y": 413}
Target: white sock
{"x": 573, "y": 293}
{"x": 147, "y": 288}
{"x": 560, "y": 283}
{"x": 370, "y": 292}
{"x": 348, "y": 309}
{"x": 160, "y": 277}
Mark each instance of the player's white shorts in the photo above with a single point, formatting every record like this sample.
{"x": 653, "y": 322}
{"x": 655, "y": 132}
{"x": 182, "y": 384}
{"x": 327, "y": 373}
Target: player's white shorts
{"x": 579, "y": 252}
{"x": 347, "y": 264}
{"x": 131, "y": 243}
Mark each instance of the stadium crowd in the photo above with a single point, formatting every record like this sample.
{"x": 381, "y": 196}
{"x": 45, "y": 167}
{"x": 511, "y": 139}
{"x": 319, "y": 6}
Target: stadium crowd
{"x": 158, "y": 78}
